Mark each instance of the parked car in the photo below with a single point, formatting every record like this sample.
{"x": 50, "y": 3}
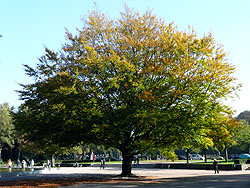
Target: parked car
{"x": 182, "y": 157}
{"x": 217, "y": 157}
{"x": 234, "y": 156}
{"x": 244, "y": 156}
{"x": 196, "y": 157}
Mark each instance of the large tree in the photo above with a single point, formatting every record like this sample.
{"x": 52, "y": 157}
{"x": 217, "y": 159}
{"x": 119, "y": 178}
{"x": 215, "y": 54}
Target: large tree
{"x": 6, "y": 126}
{"x": 133, "y": 84}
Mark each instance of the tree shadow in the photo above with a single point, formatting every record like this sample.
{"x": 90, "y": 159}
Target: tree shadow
{"x": 104, "y": 180}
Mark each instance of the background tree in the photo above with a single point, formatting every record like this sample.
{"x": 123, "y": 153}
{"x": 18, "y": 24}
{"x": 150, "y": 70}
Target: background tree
{"x": 6, "y": 126}
{"x": 244, "y": 116}
{"x": 220, "y": 131}
{"x": 133, "y": 84}
{"x": 225, "y": 133}
{"x": 242, "y": 137}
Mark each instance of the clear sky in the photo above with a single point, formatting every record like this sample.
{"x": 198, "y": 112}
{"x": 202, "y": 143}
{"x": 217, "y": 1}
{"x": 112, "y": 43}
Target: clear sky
{"x": 27, "y": 26}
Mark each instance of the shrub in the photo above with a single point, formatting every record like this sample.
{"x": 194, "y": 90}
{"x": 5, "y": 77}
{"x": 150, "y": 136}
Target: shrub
{"x": 242, "y": 161}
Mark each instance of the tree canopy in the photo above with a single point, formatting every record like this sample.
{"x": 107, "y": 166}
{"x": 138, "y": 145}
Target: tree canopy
{"x": 6, "y": 126}
{"x": 133, "y": 84}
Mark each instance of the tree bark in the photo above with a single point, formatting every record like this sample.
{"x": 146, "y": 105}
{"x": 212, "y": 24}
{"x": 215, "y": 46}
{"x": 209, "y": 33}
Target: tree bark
{"x": 226, "y": 153}
{"x": 53, "y": 160}
{"x": 205, "y": 153}
{"x": 188, "y": 155}
{"x": 126, "y": 164}
{"x": 19, "y": 154}
{"x": 0, "y": 152}
{"x": 109, "y": 156}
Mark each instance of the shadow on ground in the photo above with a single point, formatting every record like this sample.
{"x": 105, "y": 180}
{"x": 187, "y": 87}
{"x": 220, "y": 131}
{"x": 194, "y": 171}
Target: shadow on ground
{"x": 107, "y": 181}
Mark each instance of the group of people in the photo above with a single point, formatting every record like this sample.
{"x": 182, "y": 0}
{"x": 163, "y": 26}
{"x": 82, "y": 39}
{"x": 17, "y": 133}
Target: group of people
{"x": 27, "y": 163}
{"x": 136, "y": 160}
{"x": 24, "y": 163}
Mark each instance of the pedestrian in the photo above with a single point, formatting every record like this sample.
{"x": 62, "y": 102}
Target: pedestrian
{"x": 32, "y": 163}
{"x": 102, "y": 163}
{"x": 216, "y": 166}
{"x": 49, "y": 164}
{"x": 9, "y": 163}
{"x": 18, "y": 163}
{"x": 23, "y": 163}
{"x": 28, "y": 163}
{"x": 135, "y": 159}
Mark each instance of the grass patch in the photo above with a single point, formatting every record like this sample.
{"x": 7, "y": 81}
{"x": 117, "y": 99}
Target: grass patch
{"x": 219, "y": 161}
{"x": 209, "y": 161}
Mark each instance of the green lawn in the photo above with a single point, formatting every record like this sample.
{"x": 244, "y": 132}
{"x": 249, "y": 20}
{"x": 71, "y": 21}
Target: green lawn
{"x": 155, "y": 161}
{"x": 219, "y": 161}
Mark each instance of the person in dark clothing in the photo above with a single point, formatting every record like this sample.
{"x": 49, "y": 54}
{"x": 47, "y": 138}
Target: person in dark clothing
{"x": 216, "y": 166}
{"x": 102, "y": 163}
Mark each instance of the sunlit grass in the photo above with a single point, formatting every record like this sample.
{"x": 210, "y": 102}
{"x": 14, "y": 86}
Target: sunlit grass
{"x": 209, "y": 161}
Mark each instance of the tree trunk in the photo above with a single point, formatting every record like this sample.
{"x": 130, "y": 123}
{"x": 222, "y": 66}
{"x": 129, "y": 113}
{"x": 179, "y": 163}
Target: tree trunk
{"x": 75, "y": 155}
{"x": 226, "y": 153}
{"x": 126, "y": 164}
{"x": 0, "y": 152}
{"x": 109, "y": 156}
{"x": 19, "y": 154}
{"x": 188, "y": 155}
{"x": 205, "y": 153}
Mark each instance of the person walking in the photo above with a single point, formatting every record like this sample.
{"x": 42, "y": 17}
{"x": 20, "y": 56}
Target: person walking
{"x": 23, "y": 163}
{"x": 135, "y": 160}
{"x": 49, "y": 164}
{"x": 18, "y": 163}
{"x": 216, "y": 166}
{"x": 102, "y": 163}
{"x": 9, "y": 163}
{"x": 32, "y": 163}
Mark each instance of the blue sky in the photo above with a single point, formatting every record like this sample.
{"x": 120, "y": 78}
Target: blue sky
{"x": 29, "y": 25}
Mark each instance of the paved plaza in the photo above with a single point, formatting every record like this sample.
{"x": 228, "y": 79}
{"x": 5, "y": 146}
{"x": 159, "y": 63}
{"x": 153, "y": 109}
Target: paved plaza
{"x": 146, "y": 178}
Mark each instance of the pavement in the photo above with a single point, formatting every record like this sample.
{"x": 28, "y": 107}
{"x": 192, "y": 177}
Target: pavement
{"x": 145, "y": 177}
